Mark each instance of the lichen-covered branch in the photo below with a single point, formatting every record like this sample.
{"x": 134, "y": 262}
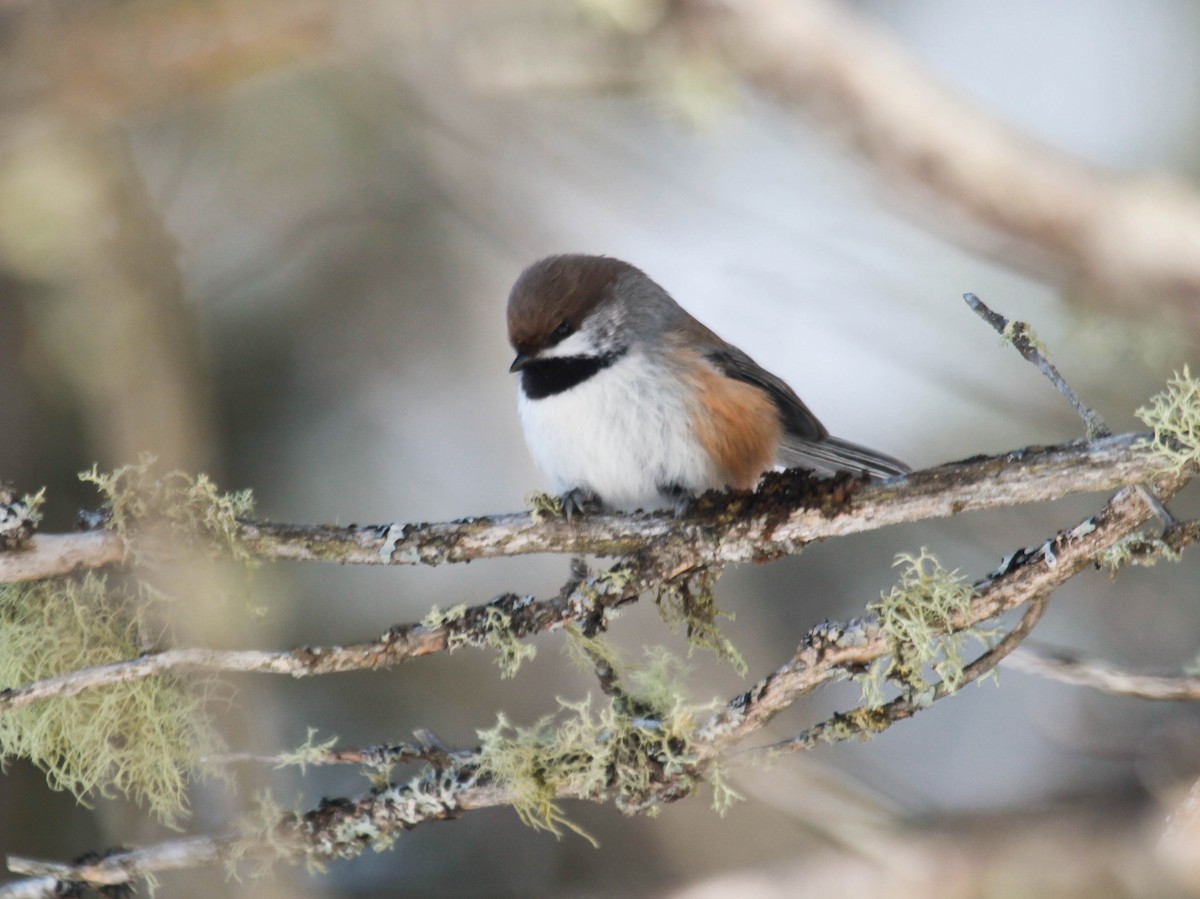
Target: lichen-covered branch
{"x": 866, "y": 721}
{"x": 829, "y": 649}
{"x": 788, "y": 511}
{"x": 496, "y": 624}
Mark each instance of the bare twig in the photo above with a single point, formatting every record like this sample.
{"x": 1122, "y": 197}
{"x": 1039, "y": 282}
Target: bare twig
{"x": 52, "y": 555}
{"x": 788, "y": 511}
{"x": 1020, "y": 335}
{"x": 380, "y": 755}
{"x": 1104, "y": 677}
{"x": 116, "y": 867}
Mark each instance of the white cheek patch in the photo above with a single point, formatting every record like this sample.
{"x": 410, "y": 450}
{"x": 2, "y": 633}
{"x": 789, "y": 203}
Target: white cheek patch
{"x": 578, "y": 344}
{"x": 623, "y": 434}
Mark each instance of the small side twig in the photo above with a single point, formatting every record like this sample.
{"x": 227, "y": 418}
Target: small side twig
{"x": 1020, "y": 335}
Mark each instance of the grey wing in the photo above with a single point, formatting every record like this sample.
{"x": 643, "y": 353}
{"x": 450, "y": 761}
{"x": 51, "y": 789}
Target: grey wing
{"x": 806, "y": 443}
{"x": 798, "y": 421}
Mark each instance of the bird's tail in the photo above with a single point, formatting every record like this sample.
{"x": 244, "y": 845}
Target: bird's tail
{"x": 831, "y": 455}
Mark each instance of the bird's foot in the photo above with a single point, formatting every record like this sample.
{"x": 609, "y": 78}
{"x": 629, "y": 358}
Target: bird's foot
{"x": 680, "y": 499}
{"x": 579, "y": 501}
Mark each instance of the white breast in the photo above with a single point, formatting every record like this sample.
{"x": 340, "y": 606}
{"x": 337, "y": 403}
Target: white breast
{"x": 622, "y": 434}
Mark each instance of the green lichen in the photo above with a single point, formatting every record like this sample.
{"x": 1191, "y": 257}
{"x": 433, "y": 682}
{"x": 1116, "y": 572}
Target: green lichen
{"x": 688, "y": 602}
{"x": 643, "y": 736}
{"x": 1018, "y": 332}
{"x": 437, "y": 619}
{"x": 543, "y": 506}
{"x": 1174, "y": 416}
{"x": 510, "y": 651}
{"x": 1137, "y": 549}
{"x": 308, "y": 753}
{"x": 494, "y": 631}
{"x": 177, "y": 505}
{"x": 918, "y": 617}
{"x": 142, "y": 739}
{"x": 33, "y": 503}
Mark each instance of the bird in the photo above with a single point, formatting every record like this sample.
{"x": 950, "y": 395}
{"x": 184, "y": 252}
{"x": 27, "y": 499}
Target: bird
{"x": 627, "y": 402}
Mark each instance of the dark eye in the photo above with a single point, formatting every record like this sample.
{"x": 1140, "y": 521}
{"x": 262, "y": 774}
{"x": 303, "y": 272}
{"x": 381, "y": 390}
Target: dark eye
{"x": 562, "y": 332}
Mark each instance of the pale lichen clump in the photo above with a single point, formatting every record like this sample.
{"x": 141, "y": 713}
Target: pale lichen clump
{"x": 19, "y": 518}
{"x": 543, "y": 506}
{"x": 918, "y": 617}
{"x": 1174, "y": 416}
{"x": 1016, "y": 331}
{"x": 141, "y": 739}
{"x": 642, "y": 737}
{"x": 310, "y": 752}
{"x": 261, "y": 840}
{"x": 1137, "y": 549}
{"x": 185, "y": 507}
{"x": 495, "y": 631}
{"x": 689, "y": 602}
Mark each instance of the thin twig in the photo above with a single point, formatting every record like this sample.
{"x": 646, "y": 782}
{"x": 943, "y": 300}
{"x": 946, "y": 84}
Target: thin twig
{"x": 1105, "y": 677}
{"x": 1019, "y": 334}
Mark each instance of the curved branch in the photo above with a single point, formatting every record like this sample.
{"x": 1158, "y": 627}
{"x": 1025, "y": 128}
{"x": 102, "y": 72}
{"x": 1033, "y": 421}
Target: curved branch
{"x": 1130, "y": 238}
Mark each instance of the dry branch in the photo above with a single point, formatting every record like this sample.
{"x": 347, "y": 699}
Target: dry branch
{"x": 721, "y": 529}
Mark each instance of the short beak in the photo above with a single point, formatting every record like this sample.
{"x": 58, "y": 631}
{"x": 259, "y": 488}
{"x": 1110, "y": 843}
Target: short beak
{"x": 522, "y": 361}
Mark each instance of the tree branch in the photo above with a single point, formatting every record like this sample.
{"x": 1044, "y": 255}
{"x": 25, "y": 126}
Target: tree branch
{"x": 343, "y": 827}
{"x": 788, "y": 511}
{"x": 581, "y": 601}
{"x": 872, "y": 720}
{"x": 830, "y": 648}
